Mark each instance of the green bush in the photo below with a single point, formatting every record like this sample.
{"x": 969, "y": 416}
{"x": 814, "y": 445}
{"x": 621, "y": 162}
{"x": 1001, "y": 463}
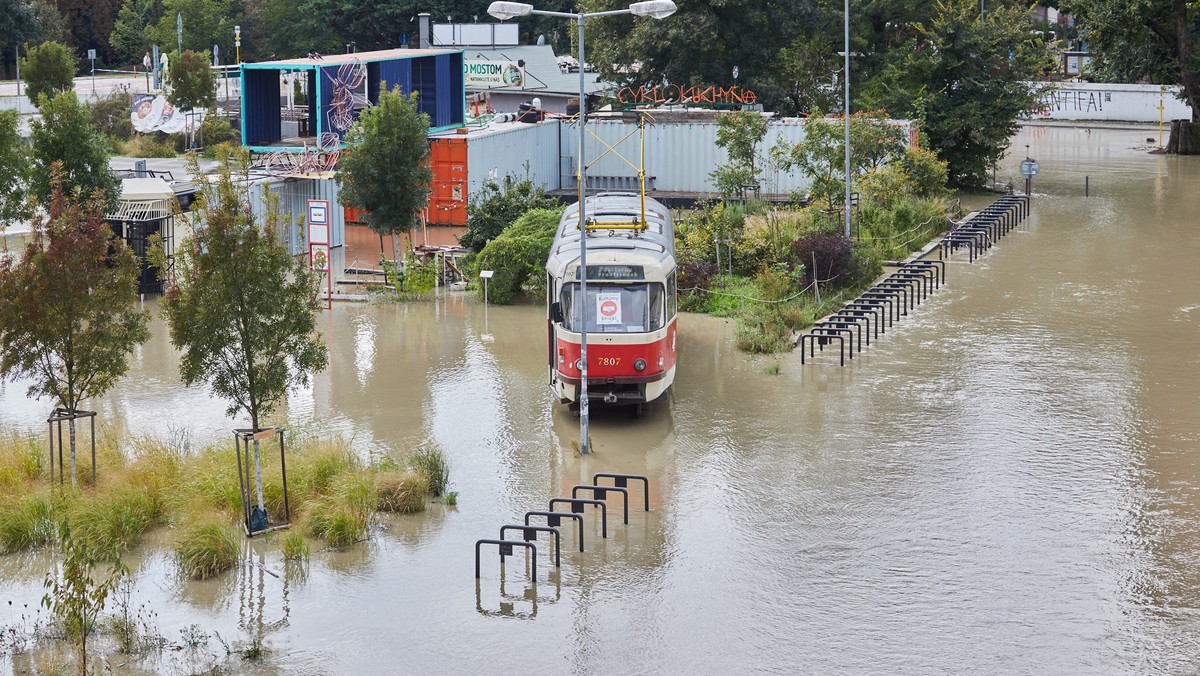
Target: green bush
{"x": 216, "y": 129}
{"x": 207, "y": 546}
{"x": 518, "y": 256}
{"x": 152, "y": 144}
{"x": 111, "y": 115}
{"x": 295, "y": 547}
{"x": 48, "y": 68}
{"x": 927, "y": 174}
{"x": 762, "y": 330}
{"x": 495, "y": 207}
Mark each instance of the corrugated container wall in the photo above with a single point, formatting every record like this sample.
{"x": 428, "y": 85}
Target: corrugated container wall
{"x": 679, "y": 156}
{"x": 515, "y": 151}
{"x": 293, "y": 196}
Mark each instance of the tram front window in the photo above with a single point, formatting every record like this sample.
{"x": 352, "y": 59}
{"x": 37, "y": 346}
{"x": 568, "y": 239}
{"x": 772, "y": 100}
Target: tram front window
{"x": 615, "y": 308}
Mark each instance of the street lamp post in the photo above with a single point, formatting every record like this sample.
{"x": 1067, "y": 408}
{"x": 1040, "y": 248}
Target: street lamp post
{"x": 846, "y": 111}
{"x": 656, "y": 9}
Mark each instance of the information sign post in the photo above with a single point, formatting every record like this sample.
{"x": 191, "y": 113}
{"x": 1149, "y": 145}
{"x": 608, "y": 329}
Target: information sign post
{"x": 318, "y": 244}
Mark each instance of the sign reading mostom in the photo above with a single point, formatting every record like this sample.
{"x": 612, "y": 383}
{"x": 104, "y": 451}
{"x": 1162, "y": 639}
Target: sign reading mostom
{"x": 493, "y": 74}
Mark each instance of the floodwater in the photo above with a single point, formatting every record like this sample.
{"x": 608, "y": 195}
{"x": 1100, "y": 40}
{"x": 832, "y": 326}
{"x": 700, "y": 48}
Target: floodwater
{"x": 1008, "y": 480}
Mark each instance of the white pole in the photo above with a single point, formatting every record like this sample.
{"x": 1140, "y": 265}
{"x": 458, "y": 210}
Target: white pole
{"x": 846, "y": 77}
{"x": 583, "y": 372}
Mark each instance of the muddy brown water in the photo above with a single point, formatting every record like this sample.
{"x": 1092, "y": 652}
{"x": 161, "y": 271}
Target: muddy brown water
{"x": 1008, "y": 480}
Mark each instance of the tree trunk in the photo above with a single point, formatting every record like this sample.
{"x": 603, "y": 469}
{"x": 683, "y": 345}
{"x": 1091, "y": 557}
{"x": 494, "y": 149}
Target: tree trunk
{"x": 1185, "y": 140}
{"x": 258, "y": 475}
{"x": 71, "y": 426}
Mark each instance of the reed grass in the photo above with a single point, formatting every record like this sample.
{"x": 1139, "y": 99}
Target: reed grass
{"x": 21, "y": 461}
{"x": 27, "y": 522}
{"x": 431, "y": 464}
{"x": 295, "y": 547}
{"x": 207, "y": 545}
{"x": 401, "y": 492}
{"x": 112, "y": 520}
{"x": 341, "y": 517}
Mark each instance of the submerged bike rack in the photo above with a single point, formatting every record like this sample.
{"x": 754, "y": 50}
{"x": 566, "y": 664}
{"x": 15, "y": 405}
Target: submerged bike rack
{"x": 578, "y": 505}
{"x": 529, "y": 534}
{"x": 599, "y": 492}
{"x": 506, "y": 549}
{"x": 622, "y": 481}
{"x": 554, "y": 519}
{"x": 904, "y": 289}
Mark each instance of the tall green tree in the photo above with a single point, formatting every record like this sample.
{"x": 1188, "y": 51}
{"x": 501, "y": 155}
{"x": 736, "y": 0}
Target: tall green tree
{"x": 26, "y": 22}
{"x": 1155, "y": 39}
{"x": 205, "y": 23}
{"x": 241, "y": 308}
{"x": 68, "y": 306}
{"x": 130, "y": 38}
{"x": 192, "y": 84}
{"x": 739, "y": 133}
{"x": 386, "y": 173}
{"x": 66, "y": 135}
{"x": 14, "y": 166}
{"x": 966, "y": 80}
{"x": 89, "y": 23}
{"x": 48, "y": 69}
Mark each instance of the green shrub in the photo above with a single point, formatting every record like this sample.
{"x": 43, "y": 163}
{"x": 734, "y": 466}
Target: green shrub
{"x": 150, "y": 145}
{"x": 206, "y": 546}
{"x": 796, "y": 317}
{"x": 111, "y": 115}
{"x": 518, "y": 255}
{"x": 927, "y": 174}
{"x": 762, "y": 331}
{"x": 401, "y": 492}
{"x": 20, "y": 462}
{"x": 773, "y": 284}
{"x": 216, "y": 129}
{"x": 495, "y": 208}
{"x": 431, "y": 465}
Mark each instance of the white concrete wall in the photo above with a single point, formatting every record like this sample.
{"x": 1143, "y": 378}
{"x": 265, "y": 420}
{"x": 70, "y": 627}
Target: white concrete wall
{"x": 1112, "y": 102}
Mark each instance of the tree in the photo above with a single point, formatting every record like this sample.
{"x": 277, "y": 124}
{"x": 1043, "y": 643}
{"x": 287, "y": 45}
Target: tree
{"x": 205, "y": 23}
{"x": 89, "y": 23}
{"x": 496, "y": 207}
{"x": 967, "y": 81}
{"x": 821, "y": 154}
{"x": 68, "y": 307}
{"x": 66, "y": 135}
{"x": 241, "y": 308}
{"x": 386, "y": 173}
{"x": 192, "y": 84}
{"x": 739, "y": 133}
{"x": 78, "y": 598}
{"x": 26, "y": 22}
{"x": 803, "y": 75}
{"x": 130, "y": 38}
{"x": 48, "y": 69}
{"x": 1155, "y": 39}
{"x": 14, "y": 164}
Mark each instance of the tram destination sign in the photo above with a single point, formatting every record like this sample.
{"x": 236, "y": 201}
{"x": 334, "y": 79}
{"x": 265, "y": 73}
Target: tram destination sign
{"x": 614, "y": 273}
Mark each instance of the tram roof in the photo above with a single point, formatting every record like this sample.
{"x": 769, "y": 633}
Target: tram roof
{"x": 656, "y": 241}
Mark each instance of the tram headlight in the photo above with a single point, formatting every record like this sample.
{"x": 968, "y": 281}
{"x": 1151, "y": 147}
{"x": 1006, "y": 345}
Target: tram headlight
{"x": 578, "y": 364}
{"x": 639, "y": 365}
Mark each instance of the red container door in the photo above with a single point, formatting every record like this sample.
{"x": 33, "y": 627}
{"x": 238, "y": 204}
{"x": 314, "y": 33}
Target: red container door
{"x": 448, "y": 193}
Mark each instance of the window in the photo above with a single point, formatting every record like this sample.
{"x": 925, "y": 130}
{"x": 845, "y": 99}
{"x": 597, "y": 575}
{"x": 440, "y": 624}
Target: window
{"x": 672, "y": 296}
{"x": 615, "y": 308}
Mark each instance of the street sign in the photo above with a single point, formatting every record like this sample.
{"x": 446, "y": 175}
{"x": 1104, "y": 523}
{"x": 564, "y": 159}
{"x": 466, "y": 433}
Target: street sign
{"x": 1030, "y": 168}
{"x": 318, "y": 244}
{"x": 92, "y": 54}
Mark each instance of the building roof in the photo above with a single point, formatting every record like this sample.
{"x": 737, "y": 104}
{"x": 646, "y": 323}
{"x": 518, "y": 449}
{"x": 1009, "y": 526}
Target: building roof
{"x": 339, "y": 59}
{"x": 542, "y": 74}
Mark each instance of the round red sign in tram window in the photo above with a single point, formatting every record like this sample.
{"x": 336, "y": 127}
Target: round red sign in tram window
{"x": 608, "y": 309}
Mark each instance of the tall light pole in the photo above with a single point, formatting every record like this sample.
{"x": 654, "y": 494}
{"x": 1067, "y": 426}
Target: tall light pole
{"x": 846, "y": 110}
{"x": 656, "y": 9}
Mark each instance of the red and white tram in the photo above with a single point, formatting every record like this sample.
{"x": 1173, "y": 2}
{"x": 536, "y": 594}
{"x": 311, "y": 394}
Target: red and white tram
{"x": 630, "y": 307}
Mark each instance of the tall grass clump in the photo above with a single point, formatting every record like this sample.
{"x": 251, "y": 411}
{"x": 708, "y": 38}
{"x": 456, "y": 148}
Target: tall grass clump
{"x": 430, "y": 463}
{"x": 26, "y": 522}
{"x": 295, "y": 547}
{"x": 207, "y": 545}
{"x": 401, "y": 492}
{"x": 20, "y": 462}
{"x": 210, "y": 476}
{"x": 318, "y": 464}
{"x": 340, "y": 517}
{"x": 112, "y": 520}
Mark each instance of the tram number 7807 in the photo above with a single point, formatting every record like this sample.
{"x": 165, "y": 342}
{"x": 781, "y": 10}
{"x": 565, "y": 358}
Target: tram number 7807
{"x": 610, "y": 361}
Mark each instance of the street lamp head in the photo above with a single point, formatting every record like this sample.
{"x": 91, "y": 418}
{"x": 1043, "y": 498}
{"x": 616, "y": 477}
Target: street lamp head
{"x": 509, "y": 10}
{"x": 656, "y": 9}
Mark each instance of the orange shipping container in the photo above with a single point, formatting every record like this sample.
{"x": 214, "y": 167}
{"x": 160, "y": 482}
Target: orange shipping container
{"x": 448, "y": 192}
